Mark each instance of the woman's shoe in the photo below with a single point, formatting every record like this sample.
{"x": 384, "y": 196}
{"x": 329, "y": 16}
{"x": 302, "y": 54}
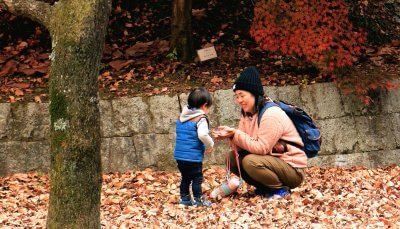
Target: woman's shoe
{"x": 279, "y": 192}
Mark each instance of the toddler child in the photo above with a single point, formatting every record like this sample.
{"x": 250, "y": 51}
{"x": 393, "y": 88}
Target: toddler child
{"x": 192, "y": 140}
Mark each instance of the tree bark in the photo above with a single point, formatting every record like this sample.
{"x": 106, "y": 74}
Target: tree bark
{"x": 181, "y": 29}
{"x": 77, "y": 29}
{"x": 35, "y": 10}
{"x": 78, "y": 33}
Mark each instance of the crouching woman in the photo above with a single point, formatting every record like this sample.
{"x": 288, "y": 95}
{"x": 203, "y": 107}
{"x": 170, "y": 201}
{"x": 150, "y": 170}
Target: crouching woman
{"x": 269, "y": 154}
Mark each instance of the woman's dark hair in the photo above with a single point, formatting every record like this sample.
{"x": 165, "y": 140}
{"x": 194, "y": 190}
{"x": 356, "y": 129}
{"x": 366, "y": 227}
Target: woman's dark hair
{"x": 259, "y": 103}
{"x": 198, "y": 97}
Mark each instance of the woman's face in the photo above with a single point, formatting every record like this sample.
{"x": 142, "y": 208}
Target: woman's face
{"x": 246, "y": 100}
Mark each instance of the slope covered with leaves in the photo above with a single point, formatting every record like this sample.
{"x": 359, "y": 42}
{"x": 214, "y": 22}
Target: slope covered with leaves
{"x": 329, "y": 198}
{"x": 135, "y": 58}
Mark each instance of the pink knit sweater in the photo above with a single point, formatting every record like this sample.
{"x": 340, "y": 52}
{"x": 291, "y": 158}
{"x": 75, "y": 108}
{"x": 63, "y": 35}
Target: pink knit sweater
{"x": 274, "y": 125}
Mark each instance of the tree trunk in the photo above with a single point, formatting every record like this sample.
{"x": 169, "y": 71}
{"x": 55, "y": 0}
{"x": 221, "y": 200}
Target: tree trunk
{"x": 181, "y": 29}
{"x": 78, "y": 31}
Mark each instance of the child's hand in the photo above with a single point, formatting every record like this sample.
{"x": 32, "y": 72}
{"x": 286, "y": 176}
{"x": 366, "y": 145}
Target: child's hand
{"x": 209, "y": 150}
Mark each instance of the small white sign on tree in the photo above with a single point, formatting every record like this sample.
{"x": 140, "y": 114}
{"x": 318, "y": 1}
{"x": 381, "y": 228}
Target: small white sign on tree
{"x": 207, "y": 53}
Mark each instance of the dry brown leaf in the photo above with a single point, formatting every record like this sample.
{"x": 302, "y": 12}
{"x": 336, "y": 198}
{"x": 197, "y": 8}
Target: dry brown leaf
{"x": 138, "y": 49}
{"x": 9, "y": 68}
{"x": 38, "y": 99}
{"x": 120, "y": 64}
{"x": 18, "y": 92}
{"x": 216, "y": 80}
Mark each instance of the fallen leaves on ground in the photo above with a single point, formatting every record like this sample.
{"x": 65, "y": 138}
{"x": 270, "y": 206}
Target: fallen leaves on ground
{"x": 330, "y": 197}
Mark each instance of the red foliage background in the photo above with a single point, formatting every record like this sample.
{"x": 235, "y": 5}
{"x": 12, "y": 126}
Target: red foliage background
{"x": 317, "y": 30}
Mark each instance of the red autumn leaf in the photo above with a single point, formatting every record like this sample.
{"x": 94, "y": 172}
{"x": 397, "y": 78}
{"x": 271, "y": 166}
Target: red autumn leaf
{"x": 117, "y": 54}
{"x": 9, "y": 68}
{"x": 138, "y": 49}
{"x": 199, "y": 13}
{"x": 216, "y": 80}
{"x": 22, "y": 45}
{"x": 120, "y": 64}
{"x": 3, "y": 58}
{"x": 30, "y": 70}
{"x": 18, "y": 92}
{"x": 11, "y": 99}
{"x": 38, "y": 99}
{"x": 20, "y": 85}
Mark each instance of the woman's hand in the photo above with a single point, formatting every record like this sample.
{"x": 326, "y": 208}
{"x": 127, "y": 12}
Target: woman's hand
{"x": 223, "y": 132}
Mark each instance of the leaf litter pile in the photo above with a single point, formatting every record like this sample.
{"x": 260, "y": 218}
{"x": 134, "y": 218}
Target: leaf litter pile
{"x": 329, "y": 197}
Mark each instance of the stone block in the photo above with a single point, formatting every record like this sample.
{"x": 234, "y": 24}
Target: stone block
{"x": 227, "y": 111}
{"x": 41, "y": 152}
{"x": 4, "y": 118}
{"x": 155, "y": 150}
{"x": 271, "y": 91}
{"x": 183, "y": 98}
{"x": 385, "y": 102}
{"x": 29, "y": 122}
{"x": 131, "y": 116}
{"x": 322, "y": 101}
{"x": 218, "y": 156}
{"x": 375, "y": 133}
{"x": 106, "y": 118}
{"x": 390, "y": 100}
{"x": 338, "y": 135}
{"x": 372, "y": 159}
{"x": 3, "y": 159}
{"x": 396, "y": 127}
{"x": 21, "y": 157}
{"x": 341, "y": 160}
{"x": 105, "y": 154}
{"x": 164, "y": 111}
{"x": 290, "y": 94}
{"x": 119, "y": 154}
{"x": 384, "y": 158}
{"x": 354, "y": 106}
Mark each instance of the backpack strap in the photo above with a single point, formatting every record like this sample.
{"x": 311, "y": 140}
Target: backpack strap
{"x": 293, "y": 144}
{"x": 261, "y": 112}
{"x": 266, "y": 106}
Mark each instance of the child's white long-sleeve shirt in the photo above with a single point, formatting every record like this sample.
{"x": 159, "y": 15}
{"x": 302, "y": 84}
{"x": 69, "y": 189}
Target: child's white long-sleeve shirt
{"x": 202, "y": 125}
{"x": 203, "y": 133}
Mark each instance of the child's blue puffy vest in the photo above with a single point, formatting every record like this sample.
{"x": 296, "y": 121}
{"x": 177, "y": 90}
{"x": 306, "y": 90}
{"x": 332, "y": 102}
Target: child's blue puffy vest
{"x": 188, "y": 146}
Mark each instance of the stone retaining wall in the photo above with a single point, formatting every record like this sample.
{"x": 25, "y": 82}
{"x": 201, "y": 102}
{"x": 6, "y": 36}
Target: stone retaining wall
{"x": 139, "y": 132}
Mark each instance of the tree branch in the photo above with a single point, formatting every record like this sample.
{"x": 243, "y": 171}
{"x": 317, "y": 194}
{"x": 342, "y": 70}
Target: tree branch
{"x": 35, "y": 10}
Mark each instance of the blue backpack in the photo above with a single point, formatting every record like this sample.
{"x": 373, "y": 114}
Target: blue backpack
{"x": 306, "y": 127}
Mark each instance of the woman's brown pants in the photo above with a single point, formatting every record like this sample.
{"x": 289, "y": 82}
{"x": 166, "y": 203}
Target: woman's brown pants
{"x": 266, "y": 171}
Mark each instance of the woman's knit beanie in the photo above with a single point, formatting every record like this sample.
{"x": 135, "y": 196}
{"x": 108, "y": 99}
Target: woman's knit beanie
{"x": 249, "y": 80}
